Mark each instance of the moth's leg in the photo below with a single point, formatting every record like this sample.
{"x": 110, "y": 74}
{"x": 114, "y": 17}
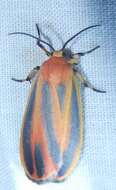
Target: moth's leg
{"x": 43, "y": 48}
{"x": 86, "y": 83}
{"x": 30, "y": 76}
{"x": 41, "y": 45}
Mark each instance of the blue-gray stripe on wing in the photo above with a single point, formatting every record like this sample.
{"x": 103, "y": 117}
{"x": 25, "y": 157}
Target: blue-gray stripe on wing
{"x": 61, "y": 90}
{"x": 27, "y": 132}
{"x": 47, "y": 114}
{"x": 74, "y": 135}
{"x": 39, "y": 161}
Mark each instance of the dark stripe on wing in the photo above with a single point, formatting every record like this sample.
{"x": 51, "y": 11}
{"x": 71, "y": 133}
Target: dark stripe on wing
{"x": 61, "y": 94}
{"x": 39, "y": 161}
{"x": 74, "y": 135}
{"x": 47, "y": 114}
{"x": 27, "y": 132}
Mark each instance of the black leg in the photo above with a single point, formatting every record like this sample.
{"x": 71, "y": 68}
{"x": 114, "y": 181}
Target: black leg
{"x": 41, "y": 45}
{"x": 30, "y": 76}
{"x": 85, "y": 82}
{"x": 20, "y": 80}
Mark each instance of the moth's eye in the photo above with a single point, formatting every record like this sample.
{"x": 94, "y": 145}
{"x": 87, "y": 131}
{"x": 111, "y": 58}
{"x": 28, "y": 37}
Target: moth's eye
{"x": 67, "y": 53}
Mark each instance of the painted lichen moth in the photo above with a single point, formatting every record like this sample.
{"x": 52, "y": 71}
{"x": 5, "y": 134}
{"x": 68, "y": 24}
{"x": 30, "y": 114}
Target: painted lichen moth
{"x": 52, "y": 130}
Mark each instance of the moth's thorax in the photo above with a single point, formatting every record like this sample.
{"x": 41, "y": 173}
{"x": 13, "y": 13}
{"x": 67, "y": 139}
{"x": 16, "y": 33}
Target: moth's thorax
{"x": 57, "y": 54}
{"x": 56, "y": 70}
{"x": 67, "y": 55}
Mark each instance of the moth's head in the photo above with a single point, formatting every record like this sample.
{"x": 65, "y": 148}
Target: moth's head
{"x": 68, "y": 55}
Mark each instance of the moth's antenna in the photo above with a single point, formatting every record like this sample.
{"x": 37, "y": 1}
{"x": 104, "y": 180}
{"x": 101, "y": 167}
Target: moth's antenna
{"x": 38, "y": 30}
{"x": 93, "y": 26}
{"x": 87, "y": 52}
{"x": 30, "y": 35}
